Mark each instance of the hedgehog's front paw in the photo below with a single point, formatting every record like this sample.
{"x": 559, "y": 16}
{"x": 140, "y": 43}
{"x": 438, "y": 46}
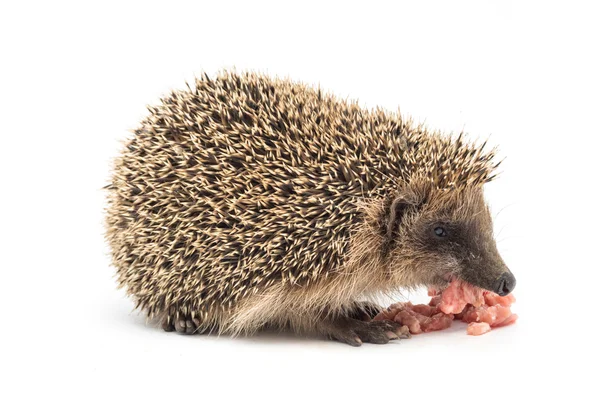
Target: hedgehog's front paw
{"x": 354, "y": 332}
{"x": 365, "y": 310}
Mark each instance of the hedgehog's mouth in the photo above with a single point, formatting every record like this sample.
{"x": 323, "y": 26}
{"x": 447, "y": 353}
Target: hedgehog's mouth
{"x": 443, "y": 281}
{"x": 494, "y": 278}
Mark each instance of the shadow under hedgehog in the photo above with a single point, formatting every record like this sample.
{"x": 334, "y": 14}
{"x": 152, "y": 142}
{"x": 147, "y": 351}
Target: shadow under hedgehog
{"x": 248, "y": 202}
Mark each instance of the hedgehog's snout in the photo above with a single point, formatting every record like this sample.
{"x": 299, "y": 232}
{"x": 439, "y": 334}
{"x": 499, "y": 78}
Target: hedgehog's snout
{"x": 505, "y": 284}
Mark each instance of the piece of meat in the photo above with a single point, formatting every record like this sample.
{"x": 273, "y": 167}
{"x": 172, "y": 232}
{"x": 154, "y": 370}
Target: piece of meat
{"x": 456, "y": 296}
{"x": 467, "y": 309}
{"x": 424, "y": 309}
{"x": 435, "y": 300}
{"x": 493, "y": 316}
{"x": 478, "y": 328}
{"x": 406, "y": 318}
{"x": 491, "y": 299}
{"x": 481, "y": 309}
{"x": 510, "y": 320}
{"x": 418, "y": 318}
{"x": 388, "y": 314}
{"x": 437, "y": 322}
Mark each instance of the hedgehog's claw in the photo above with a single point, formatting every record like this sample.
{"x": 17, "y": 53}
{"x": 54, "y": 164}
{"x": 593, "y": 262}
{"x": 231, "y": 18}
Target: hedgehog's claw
{"x": 348, "y": 337}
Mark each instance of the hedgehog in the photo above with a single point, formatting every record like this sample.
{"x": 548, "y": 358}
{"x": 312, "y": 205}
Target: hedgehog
{"x": 246, "y": 202}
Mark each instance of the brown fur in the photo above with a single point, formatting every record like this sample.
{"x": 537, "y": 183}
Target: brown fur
{"x": 248, "y": 202}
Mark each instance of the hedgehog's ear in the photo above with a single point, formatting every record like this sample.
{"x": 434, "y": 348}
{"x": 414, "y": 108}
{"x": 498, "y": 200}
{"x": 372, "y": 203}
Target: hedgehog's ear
{"x": 395, "y": 213}
{"x": 393, "y": 216}
{"x": 397, "y": 207}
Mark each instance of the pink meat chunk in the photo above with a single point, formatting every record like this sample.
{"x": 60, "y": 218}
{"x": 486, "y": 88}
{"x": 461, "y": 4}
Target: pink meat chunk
{"x": 456, "y": 296}
{"x": 435, "y": 300}
{"x": 478, "y": 328}
{"x": 491, "y": 299}
{"x": 404, "y": 317}
{"x": 493, "y": 316}
{"x": 388, "y": 314}
{"x": 437, "y": 322}
{"x": 510, "y": 320}
{"x": 481, "y": 309}
{"x": 418, "y": 318}
{"x": 424, "y": 309}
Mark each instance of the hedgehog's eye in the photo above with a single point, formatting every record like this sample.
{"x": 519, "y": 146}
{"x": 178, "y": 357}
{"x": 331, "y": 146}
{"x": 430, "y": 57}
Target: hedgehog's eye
{"x": 440, "y": 232}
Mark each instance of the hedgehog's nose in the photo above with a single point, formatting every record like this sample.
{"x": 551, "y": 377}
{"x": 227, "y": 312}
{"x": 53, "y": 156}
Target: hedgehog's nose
{"x": 505, "y": 284}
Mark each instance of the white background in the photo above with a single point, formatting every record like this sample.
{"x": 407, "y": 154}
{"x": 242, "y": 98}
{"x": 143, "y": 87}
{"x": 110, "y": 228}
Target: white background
{"x": 75, "y": 77}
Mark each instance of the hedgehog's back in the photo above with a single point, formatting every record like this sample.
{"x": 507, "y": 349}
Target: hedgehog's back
{"x": 240, "y": 183}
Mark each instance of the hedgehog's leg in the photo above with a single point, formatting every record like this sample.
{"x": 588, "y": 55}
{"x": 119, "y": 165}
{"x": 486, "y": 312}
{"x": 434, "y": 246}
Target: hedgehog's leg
{"x": 354, "y": 332}
{"x": 182, "y": 324}
{"x": 364, "y": 310}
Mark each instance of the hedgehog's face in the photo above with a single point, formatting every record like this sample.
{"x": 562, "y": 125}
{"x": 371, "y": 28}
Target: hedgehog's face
{"x": 439, "y": 235}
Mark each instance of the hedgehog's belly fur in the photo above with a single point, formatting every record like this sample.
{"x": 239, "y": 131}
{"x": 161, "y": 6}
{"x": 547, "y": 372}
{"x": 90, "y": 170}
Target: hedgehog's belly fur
{"x": 214, "y": 203}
